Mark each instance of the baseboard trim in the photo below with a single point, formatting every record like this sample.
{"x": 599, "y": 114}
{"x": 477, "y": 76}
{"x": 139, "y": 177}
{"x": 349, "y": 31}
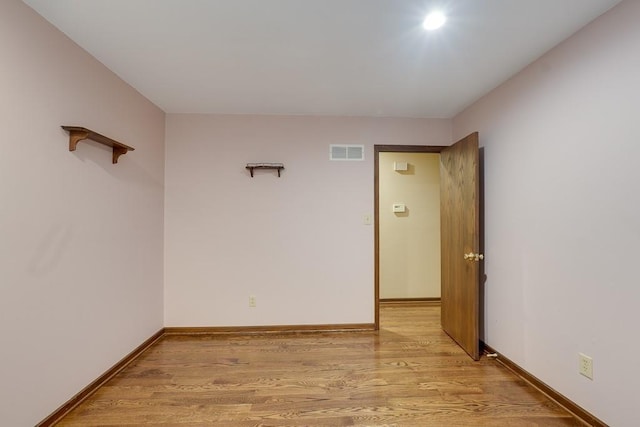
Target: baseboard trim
{"x": 561, "y": 400}
{"x": 76, "y": 400}
{"x": 274, "y": 329}
{"x": 426, "y": 302}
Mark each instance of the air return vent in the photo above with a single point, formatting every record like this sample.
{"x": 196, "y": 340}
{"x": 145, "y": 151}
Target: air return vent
{"x": 346, "y": 152}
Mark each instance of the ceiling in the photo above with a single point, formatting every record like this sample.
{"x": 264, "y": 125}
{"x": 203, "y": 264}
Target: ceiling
{"x": 317, "y": 57}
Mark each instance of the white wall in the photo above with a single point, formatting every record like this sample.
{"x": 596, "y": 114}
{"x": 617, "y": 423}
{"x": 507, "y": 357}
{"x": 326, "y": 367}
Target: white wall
{"x": 298, "y": 243}
{"x": 81, "y": 240}
{"x": 562, "y": 214}
{"x": 409, "y": 241}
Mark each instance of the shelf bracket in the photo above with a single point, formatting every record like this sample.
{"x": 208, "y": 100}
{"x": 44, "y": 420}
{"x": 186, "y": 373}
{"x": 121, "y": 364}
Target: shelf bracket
{"x": 77, "y": 134}
{"x": 117, "y": 152}
{"x": 75, "y": 137}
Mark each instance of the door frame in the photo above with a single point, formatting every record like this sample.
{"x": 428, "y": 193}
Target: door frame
{"x": 377, "y": 149}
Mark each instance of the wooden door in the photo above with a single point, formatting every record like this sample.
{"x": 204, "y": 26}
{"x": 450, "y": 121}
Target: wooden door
{"x": 459, "y": 228}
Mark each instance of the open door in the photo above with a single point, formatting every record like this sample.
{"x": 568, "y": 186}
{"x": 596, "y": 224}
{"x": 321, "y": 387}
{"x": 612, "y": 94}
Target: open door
{"x": 459, "y": 234}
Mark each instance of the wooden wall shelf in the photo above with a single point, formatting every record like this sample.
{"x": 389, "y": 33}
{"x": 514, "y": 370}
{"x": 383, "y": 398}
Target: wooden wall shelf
{"x": 77, "y": 134}
{"x": 252, "y": 166}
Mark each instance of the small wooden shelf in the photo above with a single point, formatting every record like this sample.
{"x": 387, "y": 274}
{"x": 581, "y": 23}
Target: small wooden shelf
{"x": 252, "y": 166}
{"x": 77, "y": 134}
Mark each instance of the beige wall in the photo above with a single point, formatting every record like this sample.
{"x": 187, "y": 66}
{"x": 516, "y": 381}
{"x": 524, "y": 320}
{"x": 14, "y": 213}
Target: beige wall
{"x": 298, "y": 243}
{"x": 410, "y": 241}
{"x": 560, "y": 144}
{"x": 81, "y": 239}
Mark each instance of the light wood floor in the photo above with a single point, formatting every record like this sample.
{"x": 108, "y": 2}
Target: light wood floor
{"x": 408, "y": 374}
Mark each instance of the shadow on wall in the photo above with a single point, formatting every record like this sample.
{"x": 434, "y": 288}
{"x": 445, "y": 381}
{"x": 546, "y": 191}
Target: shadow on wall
{"x": 483, "y": 276}
{"x": 411, "y": 170}
{"x": 50, "y": 250}
{"x": 402, "y": 214}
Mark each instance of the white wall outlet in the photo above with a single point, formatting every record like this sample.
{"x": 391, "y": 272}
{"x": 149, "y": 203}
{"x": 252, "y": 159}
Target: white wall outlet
{"x": 252, "y": 300}
{"x": 366, "y": 219}
{"x": 585, "y": 366}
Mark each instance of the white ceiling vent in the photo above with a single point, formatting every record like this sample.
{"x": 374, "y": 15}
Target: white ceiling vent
{"x": 346, "y": 152}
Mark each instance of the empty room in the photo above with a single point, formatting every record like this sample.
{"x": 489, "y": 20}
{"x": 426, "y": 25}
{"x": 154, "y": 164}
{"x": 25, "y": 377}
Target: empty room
{"x": 211, "y": 212}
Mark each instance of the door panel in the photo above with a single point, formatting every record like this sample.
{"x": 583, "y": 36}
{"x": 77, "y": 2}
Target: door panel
{"x": 460, "y": 226}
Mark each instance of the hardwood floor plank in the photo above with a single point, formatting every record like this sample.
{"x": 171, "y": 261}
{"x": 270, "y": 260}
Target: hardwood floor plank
{"x": 409, "y": 373}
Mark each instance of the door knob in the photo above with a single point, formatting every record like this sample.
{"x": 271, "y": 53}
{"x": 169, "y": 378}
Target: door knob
{"x": 473, "y": 257}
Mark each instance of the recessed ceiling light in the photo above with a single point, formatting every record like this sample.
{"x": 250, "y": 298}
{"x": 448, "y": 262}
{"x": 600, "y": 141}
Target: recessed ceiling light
{"x": 434, "y": 20}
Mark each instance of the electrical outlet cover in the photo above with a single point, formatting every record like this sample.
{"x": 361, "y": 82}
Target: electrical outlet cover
{"x": 585, "y": 366}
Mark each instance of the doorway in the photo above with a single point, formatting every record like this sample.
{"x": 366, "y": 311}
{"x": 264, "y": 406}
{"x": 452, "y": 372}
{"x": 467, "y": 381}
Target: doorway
{"x": 461, "y": 255}
{"x": 409, "y": 212}
{"x": 412, "y": 280}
